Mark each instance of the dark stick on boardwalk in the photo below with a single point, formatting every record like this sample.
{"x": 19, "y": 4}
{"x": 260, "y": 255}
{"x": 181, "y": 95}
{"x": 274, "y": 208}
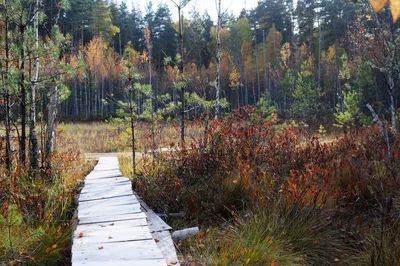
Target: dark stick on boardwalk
{"x": 113, "y": 228}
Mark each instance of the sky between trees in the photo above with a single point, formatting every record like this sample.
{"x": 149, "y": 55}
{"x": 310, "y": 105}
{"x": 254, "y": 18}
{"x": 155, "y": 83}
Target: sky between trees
{"x": 231, "y": 6}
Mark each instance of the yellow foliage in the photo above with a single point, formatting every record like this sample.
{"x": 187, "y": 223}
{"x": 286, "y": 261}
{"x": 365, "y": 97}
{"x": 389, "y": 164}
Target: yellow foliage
{"x": 378, "y": 5}
{"x": 114, "y": 30}
{"x": 285, "y": 53}
{"x": 395, "y": 9}
{"x": 234, "y": 78}
{"x": 147, "y": 37}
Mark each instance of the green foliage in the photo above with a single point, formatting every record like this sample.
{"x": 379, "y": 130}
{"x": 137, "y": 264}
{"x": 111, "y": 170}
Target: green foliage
{"x": 344, "y": 72}
{"x": 306, "y": 96}
{"x": 194, "y": 100}
{"x": 63, "y": 92}
{"x": 265, "y": 108}
{"x": 348, "y": 115}
{"x": 16, "y": 237}
{"x": 322, "y": 131}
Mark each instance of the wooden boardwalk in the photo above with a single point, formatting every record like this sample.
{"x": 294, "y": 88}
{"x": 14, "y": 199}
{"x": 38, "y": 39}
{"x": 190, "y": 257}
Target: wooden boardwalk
{"x": 113, "y": 228}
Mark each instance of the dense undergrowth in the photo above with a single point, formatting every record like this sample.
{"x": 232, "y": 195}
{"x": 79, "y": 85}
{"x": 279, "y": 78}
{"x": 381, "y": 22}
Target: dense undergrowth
{"x": 267, "y": 195}
{"x": 36, "y": 210}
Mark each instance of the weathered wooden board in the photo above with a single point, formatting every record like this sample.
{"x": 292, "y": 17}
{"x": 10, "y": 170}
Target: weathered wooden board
{"x": 115, "y": 201}
{"x": 127, "y": 223}
{"x": 160, "y": 231}
{"x": 112, "y": 227}
{"x": 106, "y": 182}
{"x": 102, "y": 218}
{"x": 98, "y": 235}
{"x": 158, "y": 262}
{"x": 166, "y": 246}
{"x": 118, "y": 251}
{"x": 112, "y": 191}
{"x": 109, "y": 210}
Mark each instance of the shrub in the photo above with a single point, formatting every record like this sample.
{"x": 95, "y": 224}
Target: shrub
{"x": 243, "y": 161}
{"x": 36, "y": 210}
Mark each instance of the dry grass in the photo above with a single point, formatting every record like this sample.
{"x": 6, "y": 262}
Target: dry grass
{"x": 107, "y": 137}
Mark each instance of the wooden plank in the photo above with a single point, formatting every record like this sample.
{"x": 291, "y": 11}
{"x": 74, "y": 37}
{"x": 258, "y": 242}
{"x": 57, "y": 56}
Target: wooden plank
{"x": 126, "y": 223}
{"x": 109, "y": 210}
{"x": 158, "y": 262}
{"x": 94, "y": 234}
{"x": 125, "y": 251}
{"x": 112, "y": 191}
{"x": 167, "y": 247}
{"x": 105, "y": 181}
{"x": 98, "y": 185}
{"x": 106, "y": 219}
{"x": 116, "y": 201}
{"x": 112, "y": 227}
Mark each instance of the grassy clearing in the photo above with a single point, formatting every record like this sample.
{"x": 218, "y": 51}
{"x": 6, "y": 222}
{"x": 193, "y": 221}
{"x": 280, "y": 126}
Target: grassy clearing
{"x": 104, "y": 137}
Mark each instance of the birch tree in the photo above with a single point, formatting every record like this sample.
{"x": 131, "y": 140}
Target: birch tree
{"x": 32, "y": 129}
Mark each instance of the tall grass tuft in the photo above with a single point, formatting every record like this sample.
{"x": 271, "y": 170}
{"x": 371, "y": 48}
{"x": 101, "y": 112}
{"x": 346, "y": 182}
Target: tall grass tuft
{"x": 277, "y": 235}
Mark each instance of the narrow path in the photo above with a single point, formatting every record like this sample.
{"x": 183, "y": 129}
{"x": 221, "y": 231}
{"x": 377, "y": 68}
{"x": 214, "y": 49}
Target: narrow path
{"x": 112, "y": 227}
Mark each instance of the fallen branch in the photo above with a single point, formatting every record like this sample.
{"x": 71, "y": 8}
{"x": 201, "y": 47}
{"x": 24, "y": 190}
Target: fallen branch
{"x": 180, "y": 235}
{"x": 380, "y": 124}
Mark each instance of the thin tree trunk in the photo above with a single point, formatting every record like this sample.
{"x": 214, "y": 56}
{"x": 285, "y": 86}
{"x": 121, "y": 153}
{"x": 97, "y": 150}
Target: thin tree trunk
{"x": 319, "y": 54}
{"x": 273, "y": 70}
{"x": 257, "y": 67}
{"x": 22, "y": 149}
{"x": 112, "y": 105}
{"x": 392, "y": 105}
{"x": 246, "y": 91}
{"x": 153, "y": 137}
{"x": 120, "y": 45}
{"x": 102, "y": 113}
{"x": 265, "y": 63}
{"x": 218, "y": 76}
{"x": 7, "y": 120}
{"x": 32, "y": 129}
{"x": 95, "y": 92}
{"x": 132, "y": 110}
{"x": 74, "y": 100}
{"x": 240, "y": 88}
{"x": 181, "y": 70}
{"x": 50, "y": 122}
{"x": 254, "y": 90}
